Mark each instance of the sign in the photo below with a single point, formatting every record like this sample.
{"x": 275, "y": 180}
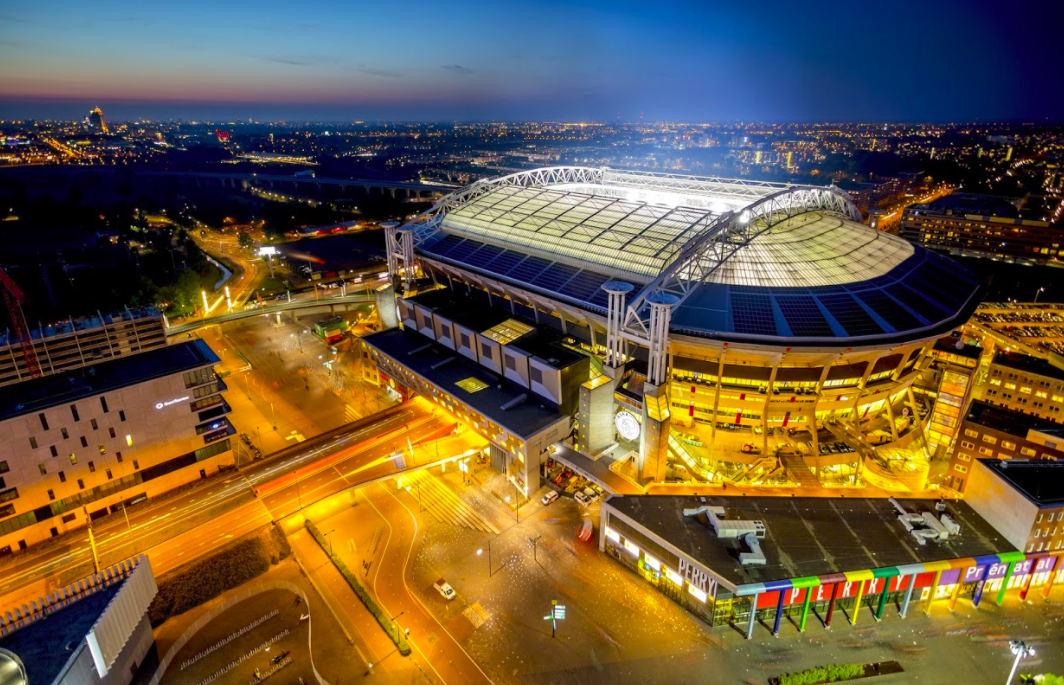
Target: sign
{"x": 267, "y": 251}
{"x": 698, "y": 578}
{"x": 627, "y": 425}
{"x": 559, "y": 612}
{"x": 160, "y": 405}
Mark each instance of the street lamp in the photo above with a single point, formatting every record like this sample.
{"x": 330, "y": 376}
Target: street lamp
{"x": 1022, "y": 650}
{"x": 395, "y": 623}
{"x": 1040, "y": 291}
{"x": 481, "y": 551}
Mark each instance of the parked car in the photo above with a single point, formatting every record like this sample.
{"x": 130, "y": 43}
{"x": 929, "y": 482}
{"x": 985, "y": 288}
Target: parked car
{"x": 444, "y": 588}
{"x": 751, "y": 448}
{"x": 549, "y": 497}
{"x": 582, "y": 498}
{"x": 591, "y": 494}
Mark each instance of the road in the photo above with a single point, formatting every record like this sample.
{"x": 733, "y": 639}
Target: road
{"x": 429, "y": 638}
{"x": 172, "y": 530}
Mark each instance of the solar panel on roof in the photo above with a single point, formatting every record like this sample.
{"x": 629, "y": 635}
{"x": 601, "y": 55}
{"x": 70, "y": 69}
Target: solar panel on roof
{"x": 915, "y": 301}
{"x": 584, "y": 284}
{"x": 803, "y": 316}
{"x": 528, "y": 269}
{"x": 752, "y": 314}
{"x": 895, "y": 314}
{"x": 444, "y": 245}
{"x": 482, "y": 256}
{"x": 554, "y": 276}
{"x": 849, "y": 314}
{"x": 462, "y": 250}
{"x": 503, "y": 263}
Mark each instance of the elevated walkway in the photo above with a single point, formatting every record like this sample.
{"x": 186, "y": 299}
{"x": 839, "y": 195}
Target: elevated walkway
{"x": 595, "y": 470}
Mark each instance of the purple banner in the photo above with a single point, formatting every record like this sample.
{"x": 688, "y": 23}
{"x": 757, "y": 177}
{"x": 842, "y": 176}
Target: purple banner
{"x": 950, "y": 577}
{"x": 997, "y": 571}
{"x": 973, "y": 574}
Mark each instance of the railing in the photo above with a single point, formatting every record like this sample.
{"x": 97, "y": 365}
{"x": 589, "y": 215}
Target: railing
{"x": 203, "y": 620}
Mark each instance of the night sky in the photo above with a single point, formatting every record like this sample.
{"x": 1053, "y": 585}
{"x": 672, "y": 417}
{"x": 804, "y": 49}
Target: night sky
{"x": 787, "y": 61}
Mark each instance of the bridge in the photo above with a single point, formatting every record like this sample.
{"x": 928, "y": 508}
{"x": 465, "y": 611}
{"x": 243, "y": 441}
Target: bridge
{"x": 328, "y": 304}
{"x": 280, "y": 181}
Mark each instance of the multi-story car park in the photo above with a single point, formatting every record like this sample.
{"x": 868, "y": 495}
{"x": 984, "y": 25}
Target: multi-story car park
{"x": 96, "y": 439}
{"x": 736, "y": 331}
{"x": 990, "y": 432}
{"x": 1035, "y": 329}
{"x": 739, "y": 560}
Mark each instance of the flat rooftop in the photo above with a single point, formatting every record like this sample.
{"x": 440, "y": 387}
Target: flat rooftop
{"x": 972, "y": 203}
{"x": 43, "y": 645}
{"x": 483, "y": 390}
{"x": 1007, "y": 420}
{"x": 810, "y": 536}
{"x": 70, "y": 386}
{"x": 1024, "y": 362}
{"x": 1040, "y": 481}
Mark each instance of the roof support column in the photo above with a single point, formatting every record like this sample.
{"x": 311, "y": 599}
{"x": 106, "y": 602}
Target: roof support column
{"x": 779, "y": 614}
{"x": 934, "y": 590}
{"x": 805, "y": 609}
{"x": 753, "y": 616}
{"x": 1005, "y": 584}
{"x": 618, "y": 293}
{"x": 1052, "y": 574}
{"x": 661, "y": 304}
{"x": 909, "y": 595}
{"x": 831, "y": 605}
{"x": 857, "y": 602}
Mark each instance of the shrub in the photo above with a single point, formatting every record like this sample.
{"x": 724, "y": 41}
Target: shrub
{"x": 383, "y": 619}
{"x": 823, "y": 674}
{"x": 208, "y": 578}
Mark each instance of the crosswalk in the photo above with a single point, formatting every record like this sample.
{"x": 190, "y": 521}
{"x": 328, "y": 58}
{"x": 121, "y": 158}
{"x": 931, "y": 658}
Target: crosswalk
{"x": 443, "y": 504}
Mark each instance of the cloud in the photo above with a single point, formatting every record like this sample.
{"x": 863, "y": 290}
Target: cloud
{"x": 457, "y": 69}
{"x": 378, "y": 72}
{"x": 284, "y": 60}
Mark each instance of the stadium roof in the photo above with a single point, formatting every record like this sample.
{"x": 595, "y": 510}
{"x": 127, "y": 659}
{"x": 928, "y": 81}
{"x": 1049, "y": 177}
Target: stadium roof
{"x": 748, "y": 260}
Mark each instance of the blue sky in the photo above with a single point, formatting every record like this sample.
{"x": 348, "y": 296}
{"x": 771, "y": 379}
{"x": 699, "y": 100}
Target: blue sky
{"x": 695, "y": 61}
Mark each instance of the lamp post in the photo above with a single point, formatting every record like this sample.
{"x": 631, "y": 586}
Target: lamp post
{"x": 395, "y": 623}
{"x": 1037, "y": 293}
{"x": 1022, "y": 650}
{"x": 481, "y": 551}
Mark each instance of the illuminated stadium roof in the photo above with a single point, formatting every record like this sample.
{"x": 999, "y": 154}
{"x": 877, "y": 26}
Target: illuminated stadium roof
{"x": 747, "y": 260}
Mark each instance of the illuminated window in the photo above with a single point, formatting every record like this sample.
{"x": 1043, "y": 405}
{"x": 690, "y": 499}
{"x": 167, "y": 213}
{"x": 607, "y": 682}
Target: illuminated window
{"x": 73, "y": 458}
{"x": 697, "y": 594}
{"x": 612, "y": 535}
{"x": 631, "y": 548}
{"x": 673, "y": 576}
{"x": 651, "y": 562}
{"x": 129, "y": 440}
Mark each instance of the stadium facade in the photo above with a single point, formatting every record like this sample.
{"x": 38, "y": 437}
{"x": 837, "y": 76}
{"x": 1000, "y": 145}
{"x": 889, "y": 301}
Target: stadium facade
{"x": 673, "y": 327}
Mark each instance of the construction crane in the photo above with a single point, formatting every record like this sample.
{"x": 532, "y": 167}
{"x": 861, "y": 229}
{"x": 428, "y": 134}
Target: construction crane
{"x": 13, "y": 299}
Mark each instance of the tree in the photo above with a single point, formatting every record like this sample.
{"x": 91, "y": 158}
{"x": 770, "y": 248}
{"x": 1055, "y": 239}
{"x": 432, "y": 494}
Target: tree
{"x": 244, "y": 238}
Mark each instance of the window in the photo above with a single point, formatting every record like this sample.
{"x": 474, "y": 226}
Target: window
{"x": 121, "y": 414}
{"x": 66, "y": 436}
{"x": 33, "y": 442}
{"x": 111, "y": 432}
{"x": 3, "y": 467}
{"x": 118, "y": 455}
{"x": 1006, "y": 445}
{"x": 135, "y": 464}
{"x": 960, "y": 469}
{"x": 73, "y": 459}
{"x": 44, "y": 421}
{"x": 109, "y": 476}
{"x": 1026, "y": 390}
{"x": 990, "y": 439}
{"x": 8, "y": 495}
{"x": 535, "y": 374}
{"x": 964, "y": 457}
{"x": 970, "y": 433}
{"x": 986, "y": 451}
{"x": 51, "y": 494}
{"x": 92, "y": 467}
{"x": 1027, "y": 451}
{"x": 81, "y": 484}
{"x": 43, "y": 469}
{"x": 199, "y": 377}
{"x": 54, "y": 451}
{"x": 84, "y": 441}
{"x": 968, "y": 445}
{"x": 69, "y": 517}
{"x": 129, "y": 440}
{"x": 62, "y": 477}
{"x": 74, "y": 412}
{"x": 103, "y": 404}
{"x": 103, "y": 450}
{"x": 92, "y": 422}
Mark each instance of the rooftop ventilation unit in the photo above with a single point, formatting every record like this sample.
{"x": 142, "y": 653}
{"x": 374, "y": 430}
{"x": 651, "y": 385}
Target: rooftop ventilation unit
{"x": 926, "y": 526}
{"x": 750, "y": 532}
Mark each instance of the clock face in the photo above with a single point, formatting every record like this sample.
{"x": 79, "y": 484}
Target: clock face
{"x": 627, "y": 425}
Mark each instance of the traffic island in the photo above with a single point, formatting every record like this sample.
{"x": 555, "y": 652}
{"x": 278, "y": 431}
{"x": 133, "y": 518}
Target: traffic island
{"x": 837, "y": 673}
{"x": 385, "y": 622}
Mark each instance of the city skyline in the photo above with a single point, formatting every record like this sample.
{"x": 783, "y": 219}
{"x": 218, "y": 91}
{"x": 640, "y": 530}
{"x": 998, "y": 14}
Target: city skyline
{"x": 597, "y": 62}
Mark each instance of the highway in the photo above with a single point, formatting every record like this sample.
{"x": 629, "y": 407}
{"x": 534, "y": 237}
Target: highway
{"x": 174, "y": 529}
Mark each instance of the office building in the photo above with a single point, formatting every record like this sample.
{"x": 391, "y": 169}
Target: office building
{"x": 733, "y": 331}
{"x": 90, "y": 441}
{"x": 982, "y": 226}
{"x": 96, "y": 121}
{"x": 990, "y": 432}
{"x": 1023, "y": 498}
{"x": 1026, "y": 384}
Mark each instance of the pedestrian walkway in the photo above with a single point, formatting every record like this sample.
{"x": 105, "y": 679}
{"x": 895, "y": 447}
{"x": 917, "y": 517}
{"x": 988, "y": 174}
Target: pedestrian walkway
{"x": 443, "y": 504}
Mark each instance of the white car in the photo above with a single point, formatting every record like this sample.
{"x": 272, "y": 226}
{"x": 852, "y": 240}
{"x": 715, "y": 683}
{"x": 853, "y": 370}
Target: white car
{"x": 582, "y": 498}
{"x": 592, "y": 496}
{"x": 445, "y": 589}
{"x": 549, "y": 497}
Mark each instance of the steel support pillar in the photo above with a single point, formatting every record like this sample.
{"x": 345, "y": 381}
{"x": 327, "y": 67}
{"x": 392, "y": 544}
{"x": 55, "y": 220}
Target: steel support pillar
{"x": 753, "y": 617}
{"x": 831, "y": 605}
{"x": 857, "y": 602}
{"x": 1052, "y": 574}
{"x": 908, "y": 595}
{"x": 934, "y": 589}
{"x": 779, "y": 614}
{"x": 955, "y": 595}
{"x": 805, "y": 609}
{"x": 1005, "y": 584}
{"x": 978, "y": 593}
{"x": 882, "y": 599}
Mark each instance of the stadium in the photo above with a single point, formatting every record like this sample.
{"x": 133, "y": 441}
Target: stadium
{"x": 657, "y": 327}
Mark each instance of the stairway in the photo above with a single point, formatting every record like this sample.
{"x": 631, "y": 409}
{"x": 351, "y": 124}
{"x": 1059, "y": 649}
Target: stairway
{"x": 797, "y": 470}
